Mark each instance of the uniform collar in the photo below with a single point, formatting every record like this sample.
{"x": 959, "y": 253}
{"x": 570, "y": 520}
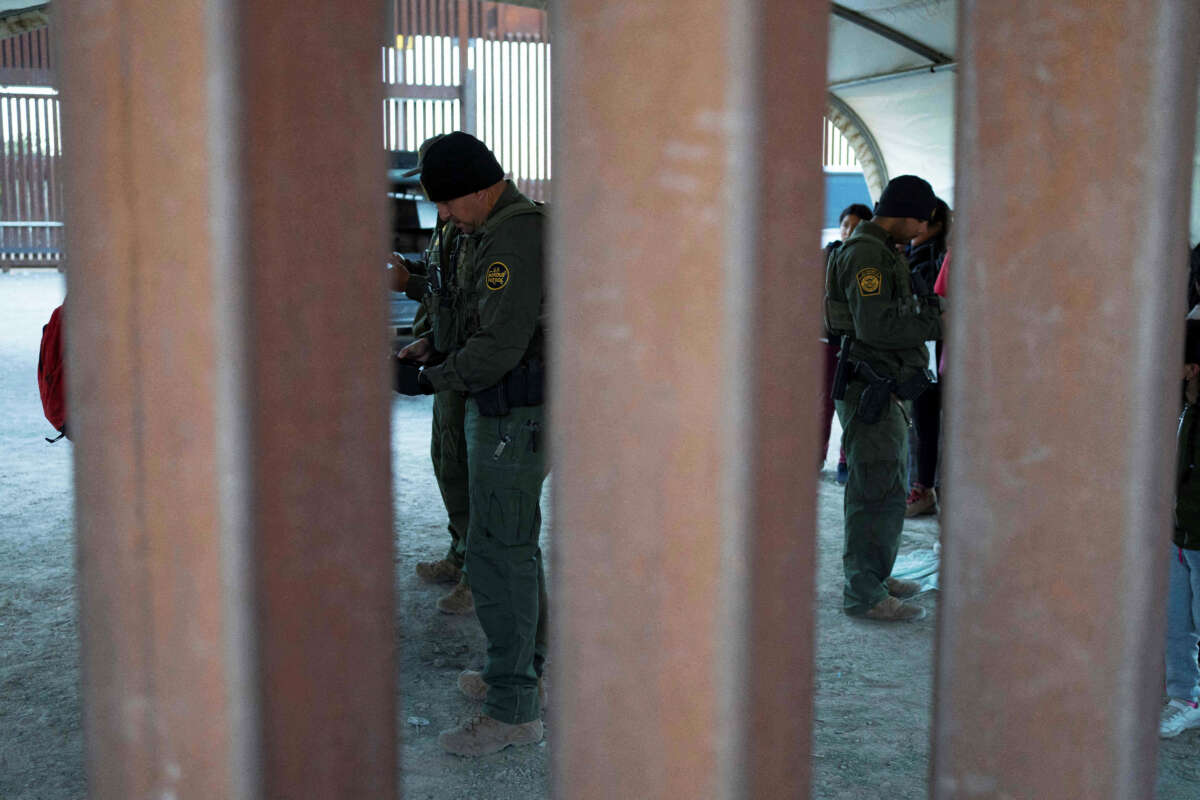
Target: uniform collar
{"x": 510, "y": 195}
{"x": 870, "y": 230}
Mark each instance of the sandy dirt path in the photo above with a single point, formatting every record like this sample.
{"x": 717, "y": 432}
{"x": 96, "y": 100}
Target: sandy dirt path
{"x": 873, "y": 685}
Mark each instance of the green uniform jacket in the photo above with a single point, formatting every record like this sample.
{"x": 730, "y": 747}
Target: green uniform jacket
{"x": 437, "y": 256}
{"x": 868, "y": 279}
{"x": 1187, "y": 484}
{"x": 497, "y": 307}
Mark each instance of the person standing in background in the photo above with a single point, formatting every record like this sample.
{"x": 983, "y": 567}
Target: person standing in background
{"x": 848, "y": 220}
{"x": 488, "y": 344}
{"x": 869, "y": 302}
{"x": 925, "y": 254}
{"x": 448, "y": 446}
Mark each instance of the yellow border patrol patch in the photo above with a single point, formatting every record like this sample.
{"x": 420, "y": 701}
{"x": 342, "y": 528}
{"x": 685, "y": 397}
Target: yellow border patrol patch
{"x": 870, "y": 281}
{"x": 497, "y": 276}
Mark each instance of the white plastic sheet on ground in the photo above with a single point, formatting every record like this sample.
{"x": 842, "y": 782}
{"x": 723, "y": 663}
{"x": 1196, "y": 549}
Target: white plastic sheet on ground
{"x": 920, "y": 566}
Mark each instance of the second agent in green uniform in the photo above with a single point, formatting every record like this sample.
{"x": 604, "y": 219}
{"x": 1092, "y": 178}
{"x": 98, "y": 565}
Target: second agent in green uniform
{"x": 488, "y": 345}
{"x": 869, "y": 301}
{"x": 448, "y": 448}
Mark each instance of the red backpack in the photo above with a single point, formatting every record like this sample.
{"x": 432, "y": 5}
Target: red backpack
{"x": 52, "y": 374}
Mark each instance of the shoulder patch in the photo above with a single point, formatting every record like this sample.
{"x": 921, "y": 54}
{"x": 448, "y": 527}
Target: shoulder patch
{"x": 870, "y": 281}
{"x": 497, "y": 276}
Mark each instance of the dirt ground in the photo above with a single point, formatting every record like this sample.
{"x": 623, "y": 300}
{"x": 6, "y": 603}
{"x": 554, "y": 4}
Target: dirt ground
{"x": 872, "y": 714}
{"x": 435, "y": 647}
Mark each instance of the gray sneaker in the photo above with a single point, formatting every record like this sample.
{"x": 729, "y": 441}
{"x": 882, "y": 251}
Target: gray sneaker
{"x": 1178, "y": 717}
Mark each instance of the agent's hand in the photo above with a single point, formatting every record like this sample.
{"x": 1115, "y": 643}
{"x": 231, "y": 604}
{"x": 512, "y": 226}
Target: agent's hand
{"x": 410, "y": 381}
{"x": 400, "y": 272}
{"x": 420, "y": 351}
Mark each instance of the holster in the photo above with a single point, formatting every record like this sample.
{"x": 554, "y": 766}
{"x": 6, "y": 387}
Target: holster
{"x": 525, "y": 385}
{"x": 874, "y": 400}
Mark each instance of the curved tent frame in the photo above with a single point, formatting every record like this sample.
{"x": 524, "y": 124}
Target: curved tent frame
{"x": 866, "y": 149}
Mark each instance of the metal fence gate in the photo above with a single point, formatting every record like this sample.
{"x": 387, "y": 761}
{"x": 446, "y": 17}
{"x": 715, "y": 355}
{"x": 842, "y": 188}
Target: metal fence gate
{"x": 480, "y": 67}
{"x": 681, "y": 676}
{"x": 31, "y": 211}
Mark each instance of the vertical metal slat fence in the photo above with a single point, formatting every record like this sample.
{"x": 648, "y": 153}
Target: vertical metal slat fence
{"x": 498, "y": 89}
{"x": 31, "y": 191}
{"x": 30, "y": 182}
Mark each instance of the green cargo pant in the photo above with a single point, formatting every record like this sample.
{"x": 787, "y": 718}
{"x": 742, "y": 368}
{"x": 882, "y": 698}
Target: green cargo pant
{"x": 874, "y": 504}
{"x": 507, "y": 465}
{"x": 449, "y": 453}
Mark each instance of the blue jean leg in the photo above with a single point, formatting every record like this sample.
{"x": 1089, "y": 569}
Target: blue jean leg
{"x": 1183, "y": 614}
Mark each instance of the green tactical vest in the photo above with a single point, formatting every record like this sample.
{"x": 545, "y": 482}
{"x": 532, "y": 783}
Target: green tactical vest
{"x": 838, "y": 319}
{"x": 440, "y": 241}
{"x": 457, "y": 318}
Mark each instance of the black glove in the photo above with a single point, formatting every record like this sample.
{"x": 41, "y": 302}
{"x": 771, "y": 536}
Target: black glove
{"x": 410, "y": 380}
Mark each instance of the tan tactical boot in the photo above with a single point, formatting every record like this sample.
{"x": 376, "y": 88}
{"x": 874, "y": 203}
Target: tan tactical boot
{"x": 921, "y": 501}
{"x": 482, "y": 735}
{"x": 444, "y": 571}
{"x": 898, "y": 587}
{"x": 892, "y": 609}
{"x": 471, "y": 683}
{"x": 459, "y": 601}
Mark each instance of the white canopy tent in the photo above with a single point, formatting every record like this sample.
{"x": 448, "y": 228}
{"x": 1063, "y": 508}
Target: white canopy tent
{"x": 899, "y": 81}
{"x": 903, "y": 88}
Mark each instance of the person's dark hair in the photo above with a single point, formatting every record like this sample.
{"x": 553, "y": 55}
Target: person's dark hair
{"x": 1193, "y": 294}
{"x": 942, "y": 214}
{"x": 857, "y": 209}
{"x": 1191, "y": 343}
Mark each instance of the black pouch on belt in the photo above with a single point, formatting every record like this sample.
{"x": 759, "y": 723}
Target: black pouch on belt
{"x": 493, "y": 401}
{"x": 913, "y": 386}
{"x": 524, "y": 386}
{"x": 526, "y": 383}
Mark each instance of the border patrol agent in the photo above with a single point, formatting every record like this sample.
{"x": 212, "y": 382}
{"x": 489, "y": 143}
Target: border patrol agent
{"x": 488, "y": 345}
{"x": 882, "y": 367}
{"x": 448, "y": 445}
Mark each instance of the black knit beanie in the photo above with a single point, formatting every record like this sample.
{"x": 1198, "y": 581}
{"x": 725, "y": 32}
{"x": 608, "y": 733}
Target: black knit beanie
{"x": 458, "y": 164}
{"x": 906, "y": 196}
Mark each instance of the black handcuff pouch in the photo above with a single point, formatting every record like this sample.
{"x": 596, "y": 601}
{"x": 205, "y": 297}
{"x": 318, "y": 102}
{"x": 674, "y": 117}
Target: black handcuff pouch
{"x": 525, "y": 385}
